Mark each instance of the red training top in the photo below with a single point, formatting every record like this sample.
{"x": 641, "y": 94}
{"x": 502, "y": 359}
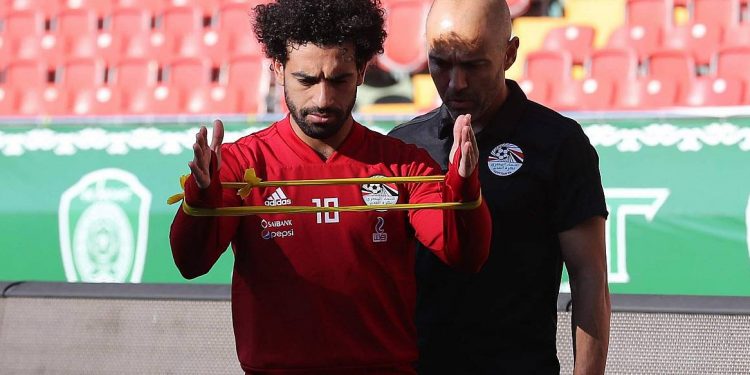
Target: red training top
{"x": 328, "y": 292}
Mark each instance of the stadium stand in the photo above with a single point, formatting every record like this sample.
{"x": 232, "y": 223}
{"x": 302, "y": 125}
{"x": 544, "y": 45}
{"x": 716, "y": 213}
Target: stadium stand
{"x": 707, "y": 38}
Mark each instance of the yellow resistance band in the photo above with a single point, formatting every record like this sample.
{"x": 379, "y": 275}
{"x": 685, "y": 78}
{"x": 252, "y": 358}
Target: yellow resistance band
{"x": 251, "y": 181}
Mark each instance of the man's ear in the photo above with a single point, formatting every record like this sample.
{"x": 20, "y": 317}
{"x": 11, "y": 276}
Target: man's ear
{"x": 278, "y": 71}
{"x": 511, "y": 52}
{"x": 361, "y": 73}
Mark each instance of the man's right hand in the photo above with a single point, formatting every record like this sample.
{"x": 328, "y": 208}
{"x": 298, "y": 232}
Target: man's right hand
{"x": 200, "y": 167}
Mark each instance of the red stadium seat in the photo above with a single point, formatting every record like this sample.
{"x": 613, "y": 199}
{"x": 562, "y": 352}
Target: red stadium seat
{"x": 185, "y": 73}
{"x": 234, "y": 18}
{"x": 35, "y": 102}
{"x": 20, "y": 74}
{"x": 404, "y": 48}
{"x": 612, "y": 65}
{"x": 124, "y": 24}
{"x": 713, "y": 91}
{"x": 82, "y": 73}
{"x": 181, "y": 20}
{"x": 133, "y": 73}
{"x": 159, "y": 100}
{"x": 231, "y": 34}
{"x": 577, "y": 39}
{"x": 585, "y": 95}
{"x": 645, "y": 93}
{"x": 734, "y": 63}
{"x": 641, "y": 39}
{"x": 76, "y": 35}
{"x": 716, "y": 13}
{"x": 205, "y": 6}
{"x": 152, "y": 6}
{"x": 47, "y": 7}
{"x": 92, "y": 101}
{"x": 548, "y": 66}
{"x": 246, "y": 84}
{"x": 736, "y": 36}
{"x": 536, "y": 90}
{"x": 649, "y": 13}
{"x": 126, "y": 21}
{"x": 29, "y": 47}
{"x": 24, "y": 23}
{"x": 101, "y": 8}
{"x": 698, "y": 38}
{"x": 672, "y": 65}
{"x": 181, "y": 31}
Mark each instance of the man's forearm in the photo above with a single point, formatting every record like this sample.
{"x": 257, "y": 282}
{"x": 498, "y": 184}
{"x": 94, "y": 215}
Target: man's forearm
{"x": 590, "y": 323}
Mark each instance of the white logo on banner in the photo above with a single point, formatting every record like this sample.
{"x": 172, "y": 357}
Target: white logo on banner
{"x": 103, "y": 222}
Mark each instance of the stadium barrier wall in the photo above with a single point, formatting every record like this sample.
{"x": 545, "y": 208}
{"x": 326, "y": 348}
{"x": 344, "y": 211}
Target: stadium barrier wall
{"x": 676, "y": 186}
{"x": 76, "y": 328}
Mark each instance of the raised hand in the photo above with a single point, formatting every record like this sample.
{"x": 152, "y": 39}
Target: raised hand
{"x": 463, "y": 136}
{"x": 201, "y": 163}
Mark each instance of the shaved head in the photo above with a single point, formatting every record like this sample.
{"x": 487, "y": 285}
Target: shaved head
{"x": 469, "y": 20}
{"x": 470, "y": 48}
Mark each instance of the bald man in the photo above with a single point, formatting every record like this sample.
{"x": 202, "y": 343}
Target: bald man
{"x": 540, "y": 178}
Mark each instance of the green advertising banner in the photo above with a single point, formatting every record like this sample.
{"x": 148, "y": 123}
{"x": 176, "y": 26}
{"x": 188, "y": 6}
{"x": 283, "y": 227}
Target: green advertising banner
{"x": 83, "y": 202}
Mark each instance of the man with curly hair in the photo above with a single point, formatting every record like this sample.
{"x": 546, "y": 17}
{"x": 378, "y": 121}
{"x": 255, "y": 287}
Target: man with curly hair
{"x": 330, "y": 292}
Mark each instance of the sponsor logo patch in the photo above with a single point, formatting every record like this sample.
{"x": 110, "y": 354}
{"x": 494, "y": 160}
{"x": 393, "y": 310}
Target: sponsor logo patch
{"x": 380, "y": 235}
{"x": 276, "y": 229}
{"x": 379, "y": 194}
{"x": 505, "y": 159}
{"x": 278, "y": 198}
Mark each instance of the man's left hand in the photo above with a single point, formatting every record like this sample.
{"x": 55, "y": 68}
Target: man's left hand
{"x": 463, "y": 136}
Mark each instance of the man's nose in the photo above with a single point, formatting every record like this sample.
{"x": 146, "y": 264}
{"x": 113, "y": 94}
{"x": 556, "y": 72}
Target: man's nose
{"x": 325, "y": 96}
{"x": 458, "y": 79}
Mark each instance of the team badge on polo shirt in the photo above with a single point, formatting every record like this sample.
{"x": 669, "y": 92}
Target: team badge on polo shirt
{"x": 379, "y": 194}
{"x": 505, "y": 159}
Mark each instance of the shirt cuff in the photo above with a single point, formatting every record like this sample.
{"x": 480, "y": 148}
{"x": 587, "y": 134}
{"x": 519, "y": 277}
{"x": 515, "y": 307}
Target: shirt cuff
{"x": 460, "y": 189}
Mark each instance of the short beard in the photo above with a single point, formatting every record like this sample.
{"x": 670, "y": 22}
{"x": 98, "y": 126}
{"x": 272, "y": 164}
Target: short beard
{"x": 319, "y": 131}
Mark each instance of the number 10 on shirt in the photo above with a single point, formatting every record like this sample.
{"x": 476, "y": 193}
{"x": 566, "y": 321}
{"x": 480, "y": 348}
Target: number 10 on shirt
{"x": 326, "y": 217}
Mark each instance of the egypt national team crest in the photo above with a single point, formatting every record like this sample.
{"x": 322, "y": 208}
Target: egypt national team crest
{"x": 379, "y": 194}
{"x": 103, "y": 222}
{"x": 505, "y": 159}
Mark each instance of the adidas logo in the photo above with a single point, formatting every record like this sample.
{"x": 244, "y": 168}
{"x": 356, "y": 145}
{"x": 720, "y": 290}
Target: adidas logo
{"x": 278, "y": 198}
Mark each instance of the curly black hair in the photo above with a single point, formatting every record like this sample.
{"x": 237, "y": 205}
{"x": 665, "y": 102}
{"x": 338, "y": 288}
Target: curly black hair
{"x": 323, "y": 23}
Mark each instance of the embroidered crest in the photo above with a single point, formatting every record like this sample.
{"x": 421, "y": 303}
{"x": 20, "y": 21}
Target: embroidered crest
{"x": 505, "y": 159}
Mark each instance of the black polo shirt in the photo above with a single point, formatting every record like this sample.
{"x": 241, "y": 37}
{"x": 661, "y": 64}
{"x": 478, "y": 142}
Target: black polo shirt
{"x": 540, "y": 176}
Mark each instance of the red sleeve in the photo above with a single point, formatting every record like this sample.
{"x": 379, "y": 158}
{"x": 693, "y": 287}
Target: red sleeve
{"x": 460, "y": 238}
{"x": 197, "y": 242}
